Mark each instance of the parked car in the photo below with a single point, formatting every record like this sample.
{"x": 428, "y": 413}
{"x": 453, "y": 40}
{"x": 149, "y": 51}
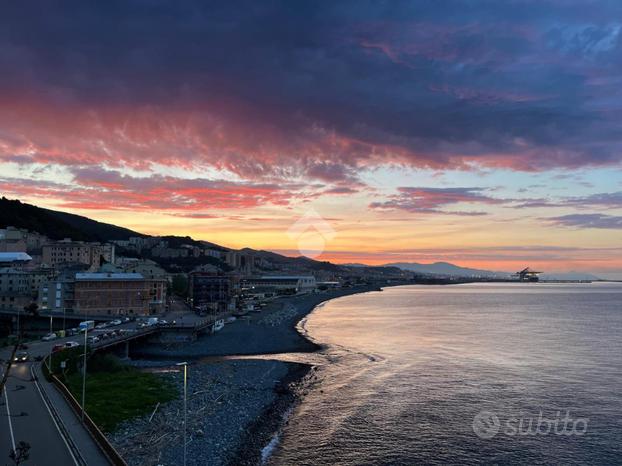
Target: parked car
{"x": 127, "y": 319}
{"x": 162, "y": 323}
{"x": 116, "y": 322}
{"x": 71, "y": 344}
{"x": 49, "y": 337}
{"x": 22, "y": 356}
{"x": 90, "y": 340}
{"x": 58, "y": 347}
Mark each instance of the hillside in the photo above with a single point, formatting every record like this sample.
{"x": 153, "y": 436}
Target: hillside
{"x": 58, "y": 225}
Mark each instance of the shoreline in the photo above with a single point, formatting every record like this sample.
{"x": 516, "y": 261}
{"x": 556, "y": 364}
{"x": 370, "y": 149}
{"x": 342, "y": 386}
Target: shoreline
{"x": 259, "y": 405}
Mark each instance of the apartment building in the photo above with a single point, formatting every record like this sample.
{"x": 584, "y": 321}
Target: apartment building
{"x": 118, "y": 294}
{"x": 67, "y": 252}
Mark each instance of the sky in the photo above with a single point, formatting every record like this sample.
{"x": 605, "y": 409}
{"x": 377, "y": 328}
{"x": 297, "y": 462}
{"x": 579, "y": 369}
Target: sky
{"x": 483, "y": 133}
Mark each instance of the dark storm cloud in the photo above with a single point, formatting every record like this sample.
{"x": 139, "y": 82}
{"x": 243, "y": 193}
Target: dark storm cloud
{"x": 523, "y": 84}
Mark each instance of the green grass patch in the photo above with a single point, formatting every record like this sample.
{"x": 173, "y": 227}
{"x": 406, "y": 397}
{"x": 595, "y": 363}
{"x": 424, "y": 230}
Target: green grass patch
{"x": 116, "y": 392}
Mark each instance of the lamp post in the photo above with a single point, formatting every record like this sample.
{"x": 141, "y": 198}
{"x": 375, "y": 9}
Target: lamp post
{"x": 86, "y": 330}
{"x": 18, "y": 314}
{"x": 51, "y": 349}
{"x": 185, "y": 365}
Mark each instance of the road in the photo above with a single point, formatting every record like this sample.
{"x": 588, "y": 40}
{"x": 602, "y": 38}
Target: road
{"x": 25, "y": 417}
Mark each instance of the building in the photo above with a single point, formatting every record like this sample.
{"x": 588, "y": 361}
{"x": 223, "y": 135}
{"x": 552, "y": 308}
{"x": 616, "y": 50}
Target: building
{"x": 12, "y": 245}
{"x": 57, "y": 294}
{"x": 20, "y": 240}
{"x": 282, "y": 284}
{"x": 211, "y": 290}
{"x": 19, "y": 287}
{"x": 114, "y": 294}
{"x": 209, "y": 252}
{"x": 70, "y": 252}
{"x": 139, "y": 243}
{"x": 240, "y": 261}
{"x": 147, "y": 268}
{"x": 170, "y": 253}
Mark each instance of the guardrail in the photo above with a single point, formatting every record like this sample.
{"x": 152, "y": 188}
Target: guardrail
{"x": 102, "y": 442}
{"x": 57, "y": 420}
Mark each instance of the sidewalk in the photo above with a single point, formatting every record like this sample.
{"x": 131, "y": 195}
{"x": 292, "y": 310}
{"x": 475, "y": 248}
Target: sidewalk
{"x": 88, "y": 451}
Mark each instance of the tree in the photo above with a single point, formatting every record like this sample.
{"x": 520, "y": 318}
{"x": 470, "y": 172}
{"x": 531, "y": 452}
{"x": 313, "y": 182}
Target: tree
{"x": 180, "y": 285}
{"x": 21, "y": 453}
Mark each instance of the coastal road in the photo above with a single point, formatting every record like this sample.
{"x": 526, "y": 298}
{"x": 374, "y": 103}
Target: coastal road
{"x": 25, "y": 416}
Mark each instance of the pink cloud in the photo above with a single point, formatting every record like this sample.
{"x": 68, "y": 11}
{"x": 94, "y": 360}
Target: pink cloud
{"x": 110, "y": 190}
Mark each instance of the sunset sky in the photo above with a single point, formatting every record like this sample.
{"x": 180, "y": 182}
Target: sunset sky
{"x": 487, "y": 134}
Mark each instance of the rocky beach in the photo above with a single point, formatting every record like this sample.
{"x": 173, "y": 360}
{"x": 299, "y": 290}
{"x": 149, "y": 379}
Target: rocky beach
{"x": 235, "y": 405}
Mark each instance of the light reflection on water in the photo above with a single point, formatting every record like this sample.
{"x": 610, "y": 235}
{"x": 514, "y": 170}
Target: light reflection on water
{"x": 405, "y": 371}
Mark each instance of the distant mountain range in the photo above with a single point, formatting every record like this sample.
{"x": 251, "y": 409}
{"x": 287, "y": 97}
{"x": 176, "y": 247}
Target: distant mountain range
{"x": 452, "y": 270}
{"x": 445, "y": 268}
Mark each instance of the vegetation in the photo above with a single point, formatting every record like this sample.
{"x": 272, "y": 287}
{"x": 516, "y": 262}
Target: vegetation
{"x": 58, "y": 225}
{"x": 115, "y": 392}
{"x": 186, "y": 264}
{"x": 20, "y": 454}
{"x": 180, "y": 285}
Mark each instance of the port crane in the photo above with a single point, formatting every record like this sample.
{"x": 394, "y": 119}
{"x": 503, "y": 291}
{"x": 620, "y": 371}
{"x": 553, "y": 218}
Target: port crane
{"x": 528, "y": 275}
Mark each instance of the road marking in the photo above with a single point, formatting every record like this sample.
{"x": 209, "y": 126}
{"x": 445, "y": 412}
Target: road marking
{"x": 8, "y": 412}
{"x": 34, "y": 378}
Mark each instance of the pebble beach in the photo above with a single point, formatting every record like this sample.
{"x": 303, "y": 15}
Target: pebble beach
{"x": 235, "y": 406}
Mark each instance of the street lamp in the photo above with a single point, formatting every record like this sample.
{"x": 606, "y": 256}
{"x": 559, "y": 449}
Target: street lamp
{"x": 185, "y": 365}
{"x": 18, "y": 314}
{"x": 86, "y": 330}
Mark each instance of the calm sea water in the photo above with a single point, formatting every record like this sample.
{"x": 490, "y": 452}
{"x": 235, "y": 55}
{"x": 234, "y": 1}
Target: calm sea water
{"x": 466, "y": 374}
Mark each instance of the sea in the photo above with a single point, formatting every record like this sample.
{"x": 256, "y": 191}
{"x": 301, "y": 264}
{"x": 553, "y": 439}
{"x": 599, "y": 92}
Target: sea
{"x": 496, "y": 373}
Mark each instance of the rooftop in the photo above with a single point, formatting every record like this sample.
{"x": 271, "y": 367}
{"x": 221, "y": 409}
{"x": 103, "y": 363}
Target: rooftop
{"x": 109, "y": 276}
{"x": 287, "y": 277}
{"x": 14, "y": 257}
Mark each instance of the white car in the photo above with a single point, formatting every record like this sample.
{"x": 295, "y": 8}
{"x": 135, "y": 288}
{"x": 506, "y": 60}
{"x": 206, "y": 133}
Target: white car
{"x": 116, "y": 322}
{"x": 49, "y": 337}
{"x": 72, "y": 344}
